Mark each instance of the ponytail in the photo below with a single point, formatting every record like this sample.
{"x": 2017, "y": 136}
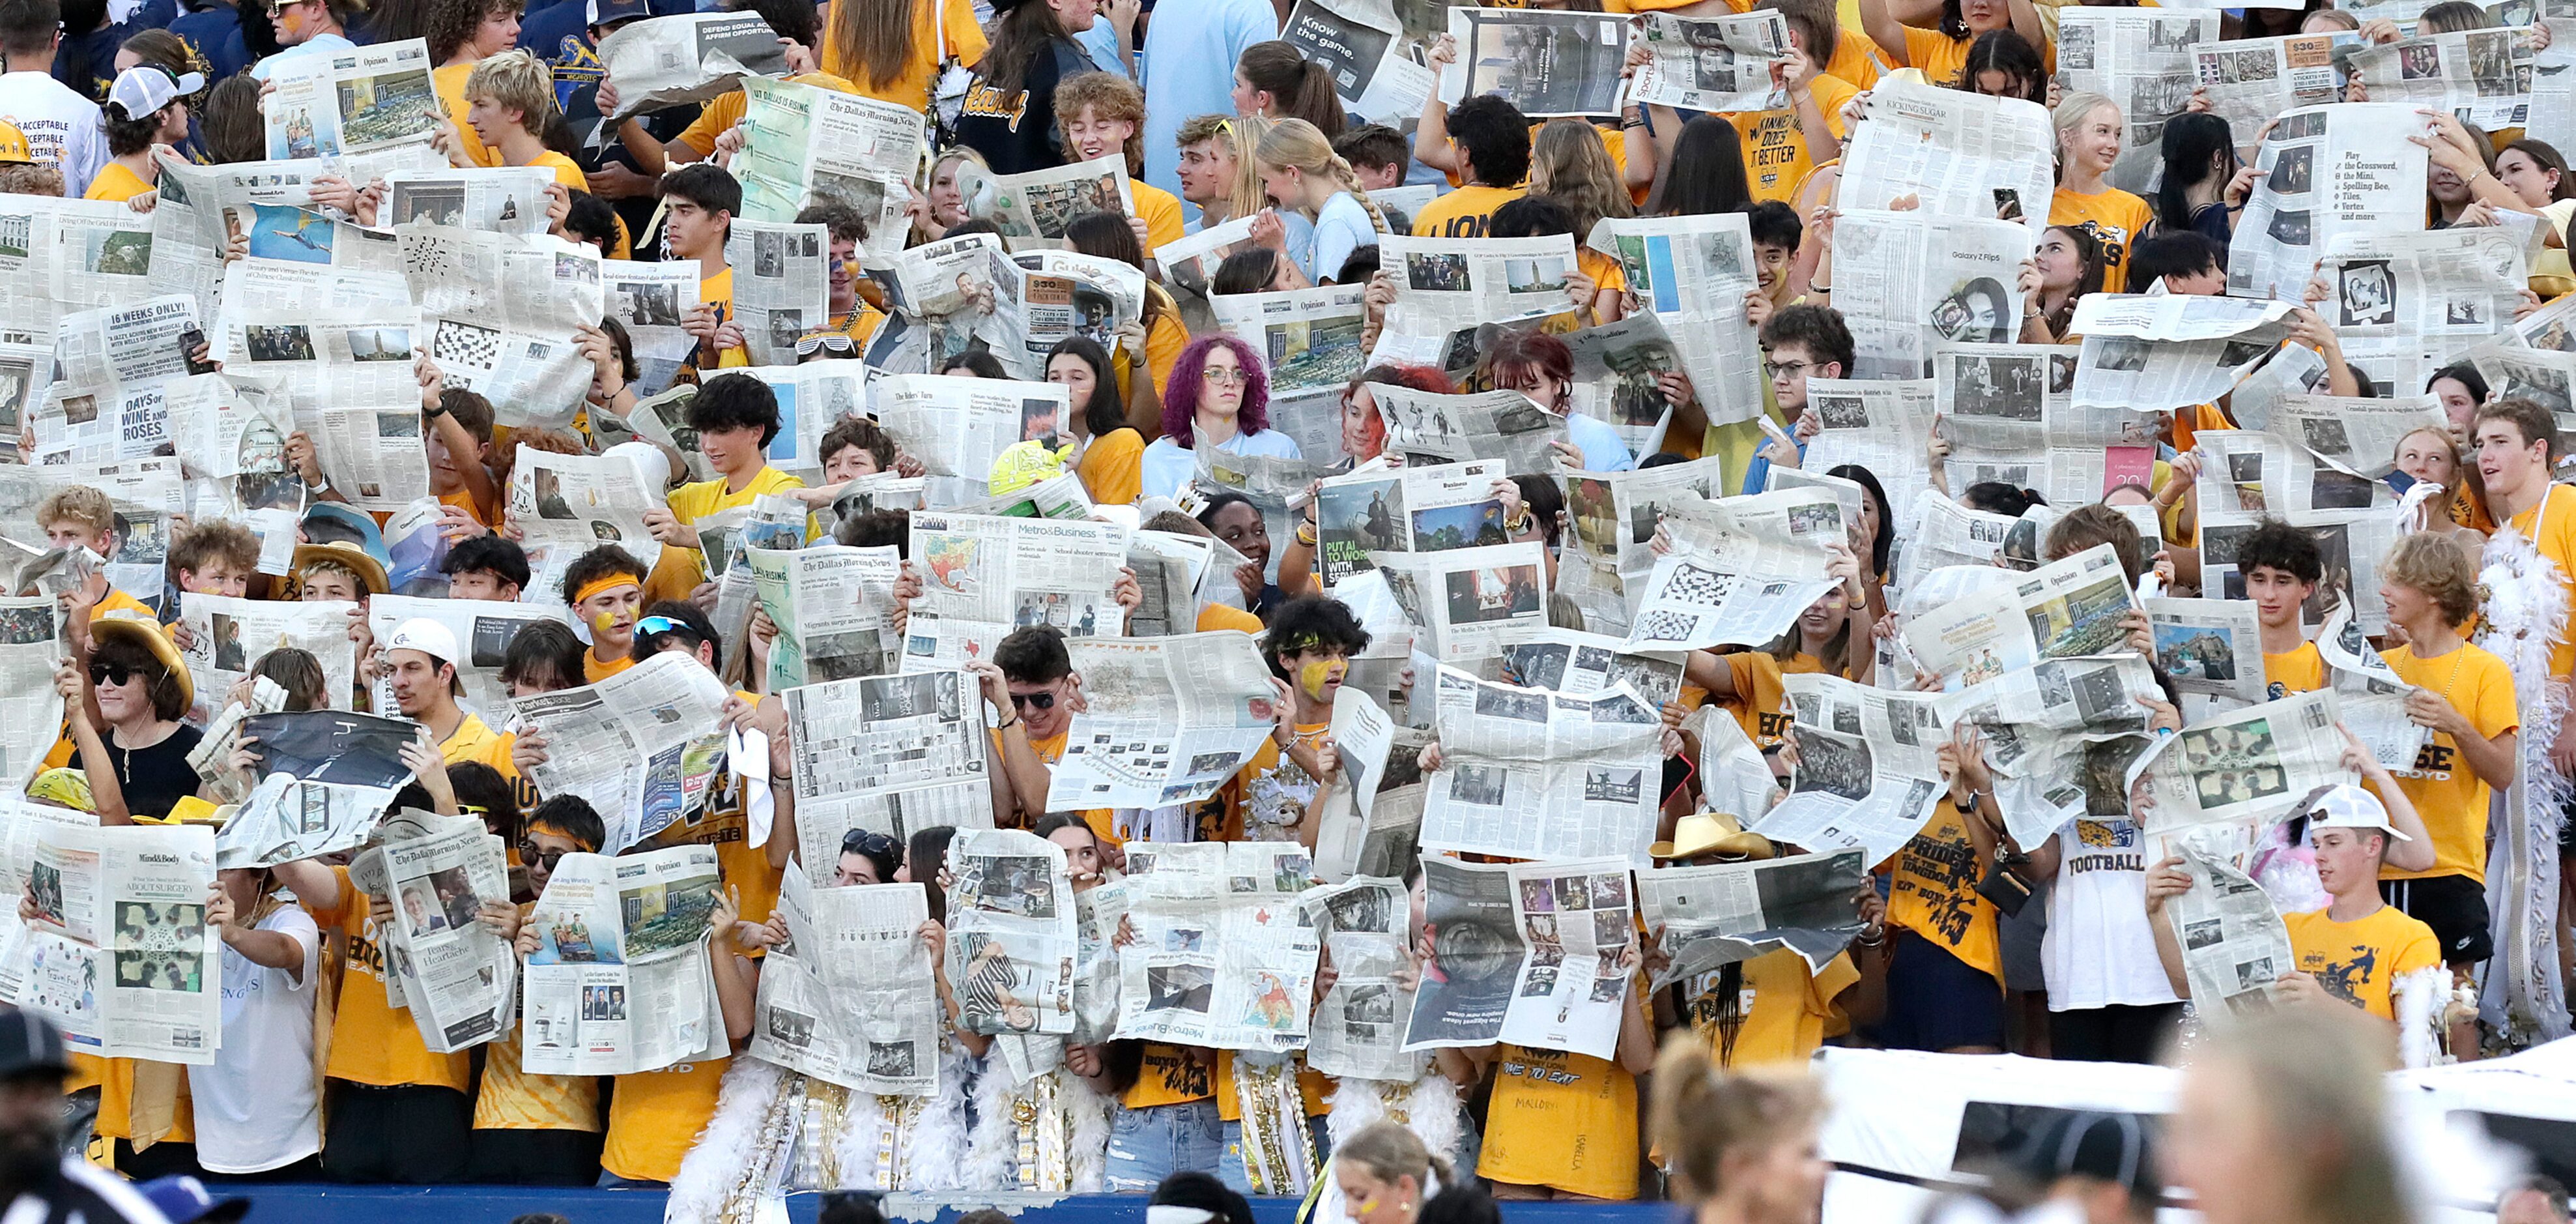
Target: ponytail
{"x": 1299, "y": 88}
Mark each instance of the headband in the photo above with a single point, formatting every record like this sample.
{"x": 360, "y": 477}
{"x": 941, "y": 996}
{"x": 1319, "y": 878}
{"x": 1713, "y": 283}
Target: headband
{"x": 601, "y": 586}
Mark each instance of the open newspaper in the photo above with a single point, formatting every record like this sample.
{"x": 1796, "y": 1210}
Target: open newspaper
{"x": 1721, "y": 64}
{"x": 1222, "y": 956}
{"x": 105, "y": 404}
{"x": 1361, "y": 43}
{"x": 2142, "y": 59}
{"x": 1503, "y": 425}
{"x": 2544, "y": 375}
{"x": 1040, "y": 203}
{"x": 1538, "y": 774}
{"x": 887, "y": 754}
{"x": 2403, "y": 303}
{"x": 229, "y": 637}
{"x": 1868, "y": 768}
{"x": 2223, "y": 778}
{"x": 1741, "y": 569}
{"x": 2062, "y": 610}
{"x": 201, "y": 207}
{"x": 1309, "y": 339}
{"x": 456, "y": 977}
{"x": 2249, "y": 80}
{"x": 1445, "y": 284}
{"x": 1708, "y": 917}
{"x": 781, "y": 285}
{"x": 620, "y": 980}
{"x": 1011, "y": 936}
{"x": 368, "y": 111}
{"x": 1548, "y": 62}
{"x": 566, "y": 505}
{"x": 1190, "y": 263}
{"x": 958, "y": 425}
{"x": 1572, "y": 661}
{"x": 2213, "y": 647}
{"x": 1047, "y": 297}
{"x": 2150, "y": 353}
{"x": 1617, "y": 372}
{"x": 984, "y": 576}
{"x": 662, "y": 62}
{"x": 1463, "y": 600}
{"x": 2347, "y": 167}
{"x": 641, "y": 746}
{"x": 58, "y": 257}
{"x": 833, "y": 607}
{"x": 650, "y": 300}
{"x": 1884, "y": 426}
{"x": 2060, "y": 737}
{"x": 1536, "y": 954}
{"x": 119, "y": 954}
{"x": 484, "y": 629}
{"x": 2480, "y": 76}
{"x": 849, "y": 998}
{"x": 2250, "y": 476}
{"x": 1909, "y": 282}
{"x": 943, "y": 277}
{"x": 2234, "y": 945}
{"x": 1693, "y": 273}
{"x": 1609, "y": 551}
{"x": 511, "y": 199}
{"x": 501, "y": 311}
{"x": 1357, "y": 1030}
{"x": 1428, "y": 508}
{"x": 1960, "y": 154}
{"x": 2356, "y": 436}
{"x": 31, "y": 647}
{"x": 805, "y": 144}
{"x": 1165, "y": 720}
{"x": 2012, "y": 417}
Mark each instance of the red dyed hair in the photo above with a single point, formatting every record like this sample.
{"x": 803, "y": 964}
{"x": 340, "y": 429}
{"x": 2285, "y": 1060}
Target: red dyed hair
{"x": 1520, "y": 358}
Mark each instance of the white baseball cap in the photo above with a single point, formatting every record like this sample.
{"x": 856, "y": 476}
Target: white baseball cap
{"x": 426, "y": 636}
{"x": 2345, "y": 806}
{"x": 145, "y": 88}
{"x": 652, "y": 465}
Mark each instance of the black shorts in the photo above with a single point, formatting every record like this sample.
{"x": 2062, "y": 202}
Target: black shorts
{"x": 537, "y": 1157}
{"x": 411, "y": 1134}
{"x": 1935, "y": 1001}
{"x": 2455, "y": 906}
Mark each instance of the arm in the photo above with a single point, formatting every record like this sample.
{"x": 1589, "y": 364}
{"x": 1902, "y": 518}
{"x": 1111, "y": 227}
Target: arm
{"x": 469, "y": 467}
{"x": 1800, "y": 72}
{"x": 1431, "y": 144}
{"x": 1636, "y": 1030}
{"x": 2167, "y": 879}
{"x": 1885, "y": 29}
{"x": 1710, "y": 671}
{"x": 737, "y": 977}
{"x": 316, "y": 886}
{"x": 2025, "y": 22}
{"x": 268, "y": 949}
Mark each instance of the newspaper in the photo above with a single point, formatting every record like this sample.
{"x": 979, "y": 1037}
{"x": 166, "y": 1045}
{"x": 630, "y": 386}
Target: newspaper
{"x": 2012, "y": 418}
{"x": 509, "y": 199}
{"x": 148, "y": 499}
{"x": 939, "y": 278}
{"x": 21, "y": 821}
{"x": 1169, "y": 567}
{"x": 888, "y": 754}
{"x": 1011, "y": 937}
{"x": 1718, "y": 65}
{"x": 1464, "y": 599}
{"x": 1611, "y": 517}
{"x": 1960, "y": 154}
{"x": 1708, "y": 917}
{"x": 2553, "y": 80}
{"x": 1362, "y": 44}
{"x": 2210, "y": 646}
{"x": 2141, "y": 59}
{"x": 2346, "y": 167}
{"x": 1548, "y": 63}
{"x": 456, "y": 976}
{"x": 1370, "y": 826}
{"x": 984, "y": 576}
{"x": 2480, "y": 76}
{"x": 1909, "y": 282}
{"x": 367, "y": 111}
{"x": 1693, "y": 273}
{"x": 1047, "y": 297}
{"x": 119, "y": 954}
{"x": 1445, "y": 284}
{"x": 834, "y": 610}
{"x": 620, "y": 981}
{"x": 2355, "y": 436}
{"x": 662, "y": 62}
{"x": 781, "y": 285}
{"x": 1537, "y": 774}
{"x": 566, "y": 505}
{"x": 2543, "y": 374}
{"x": 2368, "y": 695}
{"x": 59, "y": 257}
{"x": 1884, "y": 426}
{"x": 2238, "y": 770}
{"x": 201, "y": 207}
{"x": 1098, "y": 913}
{"x": 230, "y": 636}
{"x": 2062, "y": 610}
{"x": 230, "y": 426}
{"x": 500, "y": 311}
{"x": 1868, "y": 771}
{"x": 1501, "y": 425}
{"x": 1741, "y": 569}
{"x": 1192, "y": 262}
{"x": 850, "y": 999}
{"x": 650, "y": 300}
{"x": 1572, "y": 661}
{"x": 1164, "y": 720}
{"x": 2060, "y": 737}
{"x": 641, "y": 745}
{"x": 2249, "y": 476}
{"x": 101, "y": 406}
{"x": 813, "y": 397}
{"x": 2249, "y": 80}
{"x": 31, "y": 647}
{"x": 1357, "y": 1030}
{"x": 2159, "y": 352}
{"x": 1309, "y": 339}
{"x": 1223, "y": 956}
{"x": 808, "y": 145}
{"x": 1039, "y": 204}
{"x": 1536, "y": 954}
{"x": 1428, "y": 508}
{"x": 2402, "y": 304}
{"x": 2234, "y": 945}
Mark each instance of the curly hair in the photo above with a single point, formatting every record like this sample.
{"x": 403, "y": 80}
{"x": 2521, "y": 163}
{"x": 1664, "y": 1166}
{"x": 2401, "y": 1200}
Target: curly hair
{"x": 1181, "y": 398}
{"x": 2439, "y": 569}
{"x": 449, "y": 24}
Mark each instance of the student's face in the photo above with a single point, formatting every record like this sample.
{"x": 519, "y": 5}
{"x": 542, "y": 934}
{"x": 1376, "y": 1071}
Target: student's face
{"x": 1074, "y": 375}
{"x": 1790, "y": 366}
{"x": 854, "y": 869}
{"x": 693, "y": 228}
{"x": 2208, "y": 282}
{"x": 1787, "y": 1177}
{"x": 218, "y": 578}
{"x": 2427, "y": 456}
{"x": 2525, "y": 177}
{"x": 1094, "y": 136}
{"x": 611, "y": 617}
{"x": 2345, "y": 856}
{"x": 550, "y": 845}
{"x": 1770, "y": 264}
{"x": 419, "y": 682}
{"x": 71, "y": 533}
{"x": 2528, "y": 1207}
{"x": 1283, "y": 184}
{"x": 844, "y": 270}
{"x": 2505, "y": 460}
{"x": 1221, "y": 383}
{"x": 1058, "y": 698}
{"x": 1997, "y": 83}
{"x": 1077, "y": 15}
{"x": 947, "y": 202}
{"x": 1541, "y": 387}
{"x": 299, "y": 20}
{"x": 1207, "y": 171}
{"x": 2277, "y": 594}
{"x": 1081, "y": 854}
{"x": 732, "y": 450}
{"x": 1242, "y": 529}
{"x": 321, "y": 587}
{"x": 445, "y": 476}
{"x": 2405, "y": 604}
{"x": 1363, "y": 430}
{"x": 2095, "y": 142}
{"x": 1984, "y": 15}
{"x": 540, "y": 679}
{"x": 121, "y": 702}
{"x": 1247, "y": 100}
{"x": 500, "y": 29}
{"x": 1318, "y": 673}
{"x": 489, "y": 119}
{"x": 849, "y": 463}
{"x": 1371, "y": 1201}
{"x": 1826, "y": 616}
{"x": 2458, "y": 402}
{"x": 482, "y": 584}
{"x": 1869, "y": 518}
{"x": 126, "y": 58}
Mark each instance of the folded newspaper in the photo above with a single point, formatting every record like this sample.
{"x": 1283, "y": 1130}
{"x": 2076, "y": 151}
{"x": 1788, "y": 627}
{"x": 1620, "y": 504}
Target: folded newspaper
{"x": 620, "y": 981}
{"x": 1011, "y": 936}
{"x": 1707, "y": 917}
{"x": 1222, "y": 956}
{"x": 457, "y": 977}
{"x": 849, "y": 998}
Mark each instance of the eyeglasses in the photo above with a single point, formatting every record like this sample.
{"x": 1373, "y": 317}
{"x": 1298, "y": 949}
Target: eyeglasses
{"x": 1224, "y": 376}
{"x": 838, "y": 343}
{"x": 1032, "y": 701}
{"x": 1777, "y": 368}
{"x": 531, "y": 856}
{"x": 111, "y": 675}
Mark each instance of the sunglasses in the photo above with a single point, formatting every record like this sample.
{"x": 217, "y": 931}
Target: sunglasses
{"x": 651, "y": 625}
{"x": 530, "y": 855}
{"x": 836, "y": 343}
{"x": 863, "y": 841}
{"x": 1032, "y": 701}
{"x": 112, "y": 675}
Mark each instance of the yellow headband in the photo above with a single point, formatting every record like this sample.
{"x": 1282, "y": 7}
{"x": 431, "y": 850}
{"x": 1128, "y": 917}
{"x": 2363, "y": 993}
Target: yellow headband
{"x": 601, "y": 586}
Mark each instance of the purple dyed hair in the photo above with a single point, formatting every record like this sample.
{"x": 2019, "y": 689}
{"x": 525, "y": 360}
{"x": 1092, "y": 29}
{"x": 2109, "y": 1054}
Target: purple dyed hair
{"x": 1181, "y": 398}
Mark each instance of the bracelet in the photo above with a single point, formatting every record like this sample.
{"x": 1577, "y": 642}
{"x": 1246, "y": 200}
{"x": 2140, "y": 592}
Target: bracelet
{"x": 1813, "y": 287}
{"x": 1306, "y": 534}
{"x": 1015, "y": 721}
{"x": 1521, "y": 524}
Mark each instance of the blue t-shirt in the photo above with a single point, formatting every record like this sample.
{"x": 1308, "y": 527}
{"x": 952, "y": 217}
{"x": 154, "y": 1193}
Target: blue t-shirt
{"x": 1757, "y": 474}
{"x": 322, "y": 44}
{"x": 1190, "y": 52}
{"x": 1169, "y": 466}
{"x": 1101, "y": 42}
{"x": 1600, "y": 444}
{"x": 1341, "y": 226}
{"x": 214, "y": 33}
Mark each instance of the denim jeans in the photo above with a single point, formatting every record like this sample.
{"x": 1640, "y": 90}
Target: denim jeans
{"x": 1147, "y": 1145}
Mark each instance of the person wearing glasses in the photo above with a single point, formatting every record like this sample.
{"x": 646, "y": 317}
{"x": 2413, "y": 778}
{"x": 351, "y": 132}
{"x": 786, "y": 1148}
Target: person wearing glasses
{"x": 308, "y": 27}
{"x": 867, "y": 857}
{"x": 1031, "y": 686}
{"x": 1218, "y": 396}
{"x": 853, "y": 319}
{"x": 1798, "y": 343}
{"x": 542, "y": 1130}
{"x": 122, "y": 716}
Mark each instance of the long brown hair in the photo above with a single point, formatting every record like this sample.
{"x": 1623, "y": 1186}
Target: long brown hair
{"x": 1019, "y": 38}
{"x": 874, "y": 36}
{"x": 1302, "y": 88}
{"x": 1569, "y": 164}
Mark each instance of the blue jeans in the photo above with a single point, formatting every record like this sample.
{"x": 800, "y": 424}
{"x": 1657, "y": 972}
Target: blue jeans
{"x": 1147, "y": 1145}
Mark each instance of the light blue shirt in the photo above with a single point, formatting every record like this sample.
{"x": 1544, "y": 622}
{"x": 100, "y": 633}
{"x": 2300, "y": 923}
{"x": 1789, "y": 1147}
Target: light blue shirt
{"x": 1101, "y": 40}
{"x": 1341, "y": 227}
{"x": 1757, "y": 474}
{"x": 319, "y": 43}
{"x": 1190, "y": 52}
{"x": 1169, "y": 467}
{"x": 1600, "y": 444}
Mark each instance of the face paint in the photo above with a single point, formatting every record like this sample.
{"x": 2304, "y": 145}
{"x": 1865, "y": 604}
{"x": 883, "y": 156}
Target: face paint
{"x": 1313, "y": 676}
{"x": 603, "y": 622}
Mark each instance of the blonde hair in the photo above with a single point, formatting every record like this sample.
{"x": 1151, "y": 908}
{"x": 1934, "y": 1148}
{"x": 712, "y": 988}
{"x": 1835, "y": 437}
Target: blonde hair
{"x": 329, "y": 565}
{"x": 2070, "y": 114}
{"x": 2312, "y": 1075}
{"x": 1294, "y": 144}
{"x": 1390, "y": 1150}
{"x": 2438, "y": 567}
{"x": 29, "y": 178}
{"x": 2463, "y": 472}
{"x": 516, "y": 80}
{"x": 1570, "y": 164}
{"x": 82, "y": 504}
{"x": 874, "y": 36}
{"x": 1702, "y": 1112}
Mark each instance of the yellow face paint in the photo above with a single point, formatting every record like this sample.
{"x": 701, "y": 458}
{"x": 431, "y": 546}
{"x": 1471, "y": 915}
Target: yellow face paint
{"x": 1313, "y": 676}
{"x": 603, "y": 622}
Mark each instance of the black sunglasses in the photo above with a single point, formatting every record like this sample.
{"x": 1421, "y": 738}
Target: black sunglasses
{"x": 1032, "y": 701}
{"x": 112, "y": 675}
{"x": 530, "y": 855}
{"x": 868, "y": 842}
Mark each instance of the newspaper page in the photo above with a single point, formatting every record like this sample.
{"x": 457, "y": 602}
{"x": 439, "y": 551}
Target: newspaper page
{"x": 1708, "y": 917}
{"x": 2346, "y": 167}
{"x": 1011, "y": 936}
{"x": 1464, "y": 599}
{"x": 2061, "y": 737}
{"x": 569, "y": 504}
{"x": 59, "y": 257}
{"x": 641, "y": 745}
{"x": 887, "y": 754}
{"x": 281, "y": 819}
{"x": 781, "y": 285}
{"x": 1536, "y": 774}
{"x": 1504, "y": 425}
{"x": 119, "y": 953}
{"x": 1741, "y": 569}
{"x": 2213, "y": 647}
{"x": 1309, "y": 339}
{"x": 1357, "y": 1030}
{"x": 1362, "y": 44}
{"x": 2234, "y": 945}
{"x": 1909, "y": 282}
{"x": 1884, "y": 426}
{"x": 1718, "y": 65}
{"x": 2546, "y": 375}
{"x": 620, "y": 981}
{"x": 1223, "y": 955}
{"x": 662, "y": 62}
{"x": 228, "y": 426}
{"x": 957, "y": 425}
{"x": 808, "y": 145}
{"x": 2249, "y": 80}
{"x": 2238, "y": 771}
{"x": 1039, "y": 204}
{"x": 2142, "y": 59}
{"x": 984, "y": 576}
{"x": 1365, "y": 828}
{"x": 103, "y": 405}
{"x": 2401, "y": 304}
{"x": 484, "y": 629}
{"x": 367, "y": 110}
{"x": 1191, "y": 262}
{"x": 849, "y": 999}
{"x": 31, "y": 647}
{"x": 941, "y": 278}
{"x": 21, "y": 820}
{"x": 2012, "y": 417}
{"x": 1572, "y": 661}
{"x": 1443, "y": 285}
{"x": 201, "y": 207}
{"x": 2249, "y": 476}
{"x": 1609, "y": 551}
{"x": 2062, "y": 610}
{"x": 509, "y": 199}
{"x": 833, "y": 607}
{"x": 1617, "y": 368}
{"x": 2368, "y": 695}
{"x": 1693, "y": 273}
{"x": 1429, "y": 508}
{"x": 1536, "y": 954}
{"x": 651, "y": 299}
{"x": 458, "y": 978}
{"x": 2149, "y": 353}
{"x": 1164, "y": 720}
{"x": 230, "y": 636}
{"x": 501, "y": 311}
{"x": 1960, "y": 154}
{"x": 1548, "y": 62}
{"x": 2553, "y": 78}
{"x": 1047, "y": 297}
{"x": 2357, "y": 436}
{"x": 1868, "y": 771}
{"x": 2480, "y": 76}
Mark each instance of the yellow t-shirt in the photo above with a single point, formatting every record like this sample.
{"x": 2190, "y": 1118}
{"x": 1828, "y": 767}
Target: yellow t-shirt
{"x": 1563, "y": 1120}
{"x": 2551, "y": 528}
{"x": 654, "y": 1118}
{"x": 680, "y": 570}
{"x": 449, "y": 83}
{"x": 475, "y": 740}
{"x": 2115, "y": 218}
{"x": 1312, "y": 1086}
{"x": 1935, "y": 894}
{"x": 861, "y": 323}
{"x": 964, "y": 43}
{"x": 2449, "y": 795}
{"x": 720, "y": 113}
{"x": 1776, "y": 157}
{"x": 1761, "y": 704}
{"x": 1938, "y": 55}
{"x": 1857, "y": 61}
{"x": 2300, "y": 671}
{"x": 2358, "y": 961}
{"x": 1782, "y": 1011}
{"x": 512, "y": 1099}
{"x": 593, "y": 671}
{"x": 1161, "y": 212}
{"x": 371, "y": 1043}
{"x": 1169, "y": 1077}
{"x": 1464, "y": 213}
{"x": 1113, "y": 467}
{"x": 116, "y": 183}
{"x": 1103, "y": 821}
{"x": 116, "y": 1100}
{"x": 1213, "y": 617}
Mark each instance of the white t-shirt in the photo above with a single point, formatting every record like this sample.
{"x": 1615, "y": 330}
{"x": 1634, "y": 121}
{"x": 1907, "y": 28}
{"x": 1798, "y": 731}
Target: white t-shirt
{"x": 63, "y": 129}
{"x": 255, "y": 1107}
{"x": 2099, "y": 950}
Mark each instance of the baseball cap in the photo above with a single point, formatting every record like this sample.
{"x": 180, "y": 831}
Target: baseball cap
{"x": 14, "y": 150}
{"x": 426, "y": 636}
{"x": 144, "y": 89}
{"x": 29, "y": 1045}
{"x": 608, "y": 12}
{"x": 2345, "y": 806}
{"x": 185, "y": 1200}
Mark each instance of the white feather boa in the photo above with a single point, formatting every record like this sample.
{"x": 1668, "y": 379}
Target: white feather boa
{"x": 1428, "y": 1107}
{"x": 2524, "y": 620}
{"x": 739, "y": 1157}
{"x": 927, "y": 1137}
{"x": 1068, "y": 1133}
